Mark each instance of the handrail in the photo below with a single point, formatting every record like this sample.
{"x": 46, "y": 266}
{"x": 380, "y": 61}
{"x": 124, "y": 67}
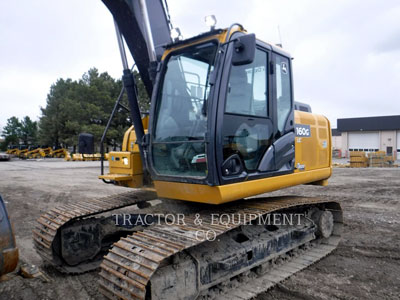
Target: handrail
{"x": 117, "y": 105}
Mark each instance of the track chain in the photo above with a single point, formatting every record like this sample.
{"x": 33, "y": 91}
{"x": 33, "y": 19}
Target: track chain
{"x": 129, "y": 266}
{"x": 50, "y": 223}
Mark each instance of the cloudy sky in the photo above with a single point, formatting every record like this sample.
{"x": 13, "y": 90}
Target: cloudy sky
{"x": 346, "y": 52}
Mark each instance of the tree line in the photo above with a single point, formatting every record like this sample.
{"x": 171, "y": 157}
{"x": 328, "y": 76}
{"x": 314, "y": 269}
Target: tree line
{"x": 16, "y": 132}
{"x": 73, "y": 107}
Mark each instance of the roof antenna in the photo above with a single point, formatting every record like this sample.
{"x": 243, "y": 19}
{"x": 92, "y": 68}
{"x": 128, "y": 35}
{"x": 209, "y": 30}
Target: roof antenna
{"x": 280, "y": 38}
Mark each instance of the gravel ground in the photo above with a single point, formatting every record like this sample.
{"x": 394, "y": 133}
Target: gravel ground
{"x": 366, "y": 265}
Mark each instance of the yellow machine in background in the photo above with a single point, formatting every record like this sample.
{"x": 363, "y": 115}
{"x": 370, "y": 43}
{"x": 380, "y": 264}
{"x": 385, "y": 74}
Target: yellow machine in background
{"x": 34, "y": 153}
{"x": 126, "y": 165}
{"x": 85, "y": 157}
{"x": 46, "y": 152}
{"x": 21, "y": 152}
{"x": 12, "y": 150}
{"x": 59, "y": 153}
{"x": 37, "y": 152}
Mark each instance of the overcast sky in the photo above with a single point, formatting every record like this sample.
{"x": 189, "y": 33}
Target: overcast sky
{"x": 346, "y": 52}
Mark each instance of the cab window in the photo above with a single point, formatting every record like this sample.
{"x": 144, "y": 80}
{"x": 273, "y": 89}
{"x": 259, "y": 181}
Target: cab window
{"x": 247, "y": 88}
{"x": 283, "y": 90}
{"x": 178, "y": 147}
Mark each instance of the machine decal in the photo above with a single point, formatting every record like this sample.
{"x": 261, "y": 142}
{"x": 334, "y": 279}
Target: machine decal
{"x": 300, "y": 167}
{"x": 284, "y": 67}
{"x": 303, "y": 130}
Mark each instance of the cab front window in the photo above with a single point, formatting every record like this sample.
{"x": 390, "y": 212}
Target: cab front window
{"x": 178, "y": 146}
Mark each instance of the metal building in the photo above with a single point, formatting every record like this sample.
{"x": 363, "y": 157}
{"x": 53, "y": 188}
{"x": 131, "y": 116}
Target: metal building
{"x": 369, "y": 134}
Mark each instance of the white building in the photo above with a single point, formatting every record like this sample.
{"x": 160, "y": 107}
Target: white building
{"x": 368, "y": 134}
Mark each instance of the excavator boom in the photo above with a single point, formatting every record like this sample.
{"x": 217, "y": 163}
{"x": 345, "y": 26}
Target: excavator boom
{"x": 130, "y": 19}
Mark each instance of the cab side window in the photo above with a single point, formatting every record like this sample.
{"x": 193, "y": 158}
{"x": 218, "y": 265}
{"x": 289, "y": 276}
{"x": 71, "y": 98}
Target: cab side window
{"x": 283, "y": 90}
{"x": 247, "y": 88}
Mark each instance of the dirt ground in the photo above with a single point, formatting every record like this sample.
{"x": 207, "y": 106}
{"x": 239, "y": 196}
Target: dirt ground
{"x": 366, "y": 265}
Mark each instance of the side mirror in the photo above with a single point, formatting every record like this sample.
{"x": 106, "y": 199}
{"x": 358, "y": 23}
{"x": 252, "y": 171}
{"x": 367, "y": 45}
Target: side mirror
{"x": 244, "y": 48}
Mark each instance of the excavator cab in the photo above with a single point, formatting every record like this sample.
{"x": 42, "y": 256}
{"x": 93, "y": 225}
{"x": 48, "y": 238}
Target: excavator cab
{"x": 219, "y": 118}
{"x": 222, "y": 123}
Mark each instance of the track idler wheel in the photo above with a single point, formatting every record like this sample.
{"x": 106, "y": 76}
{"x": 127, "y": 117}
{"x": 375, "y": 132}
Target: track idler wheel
{"x": 324, "y": 221}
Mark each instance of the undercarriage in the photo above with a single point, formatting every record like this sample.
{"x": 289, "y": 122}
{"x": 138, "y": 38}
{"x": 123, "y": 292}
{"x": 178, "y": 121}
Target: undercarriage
{"x": 234, "y": 251}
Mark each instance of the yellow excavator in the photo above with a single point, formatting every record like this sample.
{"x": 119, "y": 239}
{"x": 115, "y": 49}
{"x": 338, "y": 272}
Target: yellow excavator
{"x": 221, "y": 132}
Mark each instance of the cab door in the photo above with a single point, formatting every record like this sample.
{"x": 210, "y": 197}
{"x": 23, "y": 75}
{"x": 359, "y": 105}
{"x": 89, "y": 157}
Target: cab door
{"x": 255, "y": 134}
{"x": 245, "y": 118}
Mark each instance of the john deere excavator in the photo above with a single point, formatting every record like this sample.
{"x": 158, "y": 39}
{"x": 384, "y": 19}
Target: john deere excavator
{"x": 222, "y": 130}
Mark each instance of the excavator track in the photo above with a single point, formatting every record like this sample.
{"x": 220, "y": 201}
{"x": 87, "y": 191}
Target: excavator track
{"x": 170, "y": 261}
{"x": 49, "y": 225}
